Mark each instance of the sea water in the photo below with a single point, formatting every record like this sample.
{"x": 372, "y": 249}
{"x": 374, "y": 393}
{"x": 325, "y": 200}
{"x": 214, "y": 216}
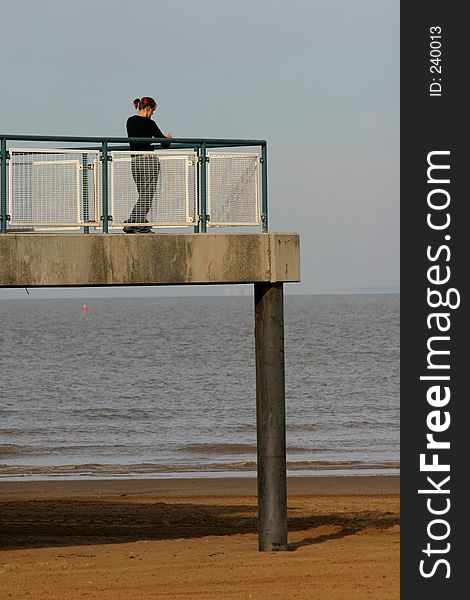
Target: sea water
{"x": 165, "y": 387}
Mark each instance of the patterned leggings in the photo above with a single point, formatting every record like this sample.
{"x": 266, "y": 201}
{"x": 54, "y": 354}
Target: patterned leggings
{"x": 145, "y": 171}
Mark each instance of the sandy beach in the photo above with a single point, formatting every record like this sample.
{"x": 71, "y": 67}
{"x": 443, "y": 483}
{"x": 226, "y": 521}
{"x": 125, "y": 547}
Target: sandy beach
{"x": 197, "y": 539}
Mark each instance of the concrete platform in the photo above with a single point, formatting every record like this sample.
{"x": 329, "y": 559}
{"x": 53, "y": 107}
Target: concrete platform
{"x": 55, "y": 260}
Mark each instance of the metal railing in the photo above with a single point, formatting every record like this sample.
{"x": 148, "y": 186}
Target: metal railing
{"x": 190, "y": 182}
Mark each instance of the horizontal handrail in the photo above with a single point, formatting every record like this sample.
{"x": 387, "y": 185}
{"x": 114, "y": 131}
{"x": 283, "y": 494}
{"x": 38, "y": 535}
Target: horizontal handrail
{"x": 112, "y": 140}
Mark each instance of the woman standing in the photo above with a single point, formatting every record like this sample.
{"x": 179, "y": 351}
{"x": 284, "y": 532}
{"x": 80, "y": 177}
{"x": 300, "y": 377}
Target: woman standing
{"x": 145, "y": 167}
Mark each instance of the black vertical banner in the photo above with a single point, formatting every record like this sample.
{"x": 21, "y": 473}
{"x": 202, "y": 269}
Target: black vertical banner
{"x": 435, "y": 242}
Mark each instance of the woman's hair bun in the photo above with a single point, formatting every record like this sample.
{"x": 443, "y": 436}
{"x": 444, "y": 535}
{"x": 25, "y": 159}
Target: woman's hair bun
{"x": 144, "y": 102}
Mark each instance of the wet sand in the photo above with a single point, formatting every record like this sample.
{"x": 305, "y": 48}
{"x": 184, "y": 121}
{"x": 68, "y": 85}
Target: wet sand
{"x": 197, "y": 538}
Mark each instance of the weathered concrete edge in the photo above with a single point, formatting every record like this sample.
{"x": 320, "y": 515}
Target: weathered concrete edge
{"x": 282, "y": 249}
{"x": 56, "y": 260}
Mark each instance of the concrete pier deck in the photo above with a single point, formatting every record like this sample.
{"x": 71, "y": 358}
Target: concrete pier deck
{"x": 55, "y": 260}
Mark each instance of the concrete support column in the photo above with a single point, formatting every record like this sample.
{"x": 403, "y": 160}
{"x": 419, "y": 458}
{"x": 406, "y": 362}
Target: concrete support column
{"x": 270, "y": 415}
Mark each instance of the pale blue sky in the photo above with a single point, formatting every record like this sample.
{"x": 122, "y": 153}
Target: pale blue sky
{"x": 318, "y": 79}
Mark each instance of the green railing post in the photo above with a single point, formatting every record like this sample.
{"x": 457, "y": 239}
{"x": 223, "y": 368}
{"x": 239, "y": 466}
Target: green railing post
{"x": 104, "y": 184}
{"x": 264, "y": 187}
{"x": 3, "y": 178}
{"x": 197, "y": 148}
{"x": 203, "y": 171}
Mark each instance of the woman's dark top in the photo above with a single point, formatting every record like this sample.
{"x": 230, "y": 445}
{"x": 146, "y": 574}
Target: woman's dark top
{"x": 142, "y": 127}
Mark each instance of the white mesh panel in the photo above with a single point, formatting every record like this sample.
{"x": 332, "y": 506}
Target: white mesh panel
{"x": 167, "y": 183}
{"x": 233, "y": 189}
{"x": 53, "y": 188}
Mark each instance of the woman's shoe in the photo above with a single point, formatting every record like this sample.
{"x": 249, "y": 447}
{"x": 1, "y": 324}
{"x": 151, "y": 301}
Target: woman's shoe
{"x": 137, "y": 230}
